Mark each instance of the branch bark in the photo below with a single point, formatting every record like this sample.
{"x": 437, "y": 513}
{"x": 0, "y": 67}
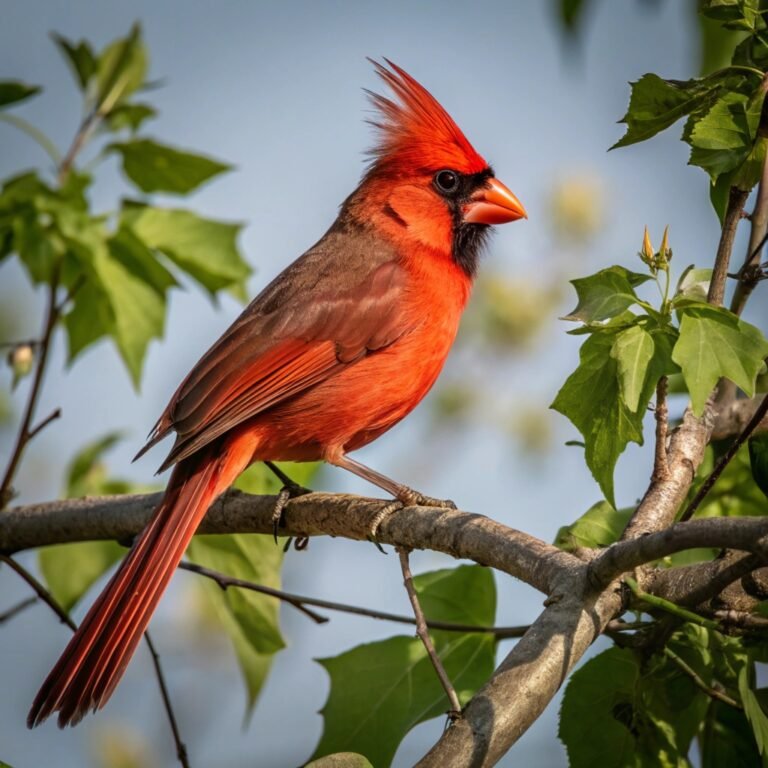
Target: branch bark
{"x": 456, "y": 533}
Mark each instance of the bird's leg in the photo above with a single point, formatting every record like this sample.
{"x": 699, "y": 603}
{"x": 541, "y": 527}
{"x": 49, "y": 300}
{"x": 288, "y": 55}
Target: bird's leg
{"x": 405, "y": 496}
{"x": 290, "y": 490}
{"x": 454, "y": 713}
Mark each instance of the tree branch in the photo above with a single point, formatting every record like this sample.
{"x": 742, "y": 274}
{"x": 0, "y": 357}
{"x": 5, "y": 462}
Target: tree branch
{"x": 456, "y": 533}
{"x": 301, "y": 601}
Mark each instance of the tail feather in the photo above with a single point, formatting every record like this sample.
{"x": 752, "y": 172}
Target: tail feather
{"x": 98, "y": 653}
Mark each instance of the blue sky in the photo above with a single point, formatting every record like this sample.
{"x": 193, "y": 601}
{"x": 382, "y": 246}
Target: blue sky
{"x": 275, "y": 89}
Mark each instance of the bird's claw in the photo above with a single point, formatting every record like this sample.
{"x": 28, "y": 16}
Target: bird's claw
{"x": 287, "y": 492}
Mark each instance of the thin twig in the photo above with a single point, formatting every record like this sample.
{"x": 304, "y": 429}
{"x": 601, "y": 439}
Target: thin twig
{"x": 300, "y": 602}
{"x": 181, "y": 749}
{"x": 23, "y": 436}
{"x": 699, "y": 682}
{"x": 53, "y": 604}
{"x": 667, "y": 607}
{"x": 660, "y": 464}
{"x": 733, "y": 449}
{"x": 421, "y": 630}
{"x": 18, "y": 608}
{"x": 44, "y": 423}
{"x": 39, "y": 590}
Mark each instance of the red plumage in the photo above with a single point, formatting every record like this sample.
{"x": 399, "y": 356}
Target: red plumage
{"x": 336, "y": 350}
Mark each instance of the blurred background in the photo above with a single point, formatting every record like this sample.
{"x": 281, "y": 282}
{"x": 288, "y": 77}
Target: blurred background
{"x": 275, "y": 89}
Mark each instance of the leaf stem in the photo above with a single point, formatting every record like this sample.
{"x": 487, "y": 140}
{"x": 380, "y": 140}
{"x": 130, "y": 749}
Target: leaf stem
{"x": 699, "y": 682}
{"x": 16, "y": 609}
{"x": 668, "y": 607}
{"x": 35, "y": 134}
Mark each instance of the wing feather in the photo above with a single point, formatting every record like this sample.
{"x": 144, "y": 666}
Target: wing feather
{"x": 341, "y": 301}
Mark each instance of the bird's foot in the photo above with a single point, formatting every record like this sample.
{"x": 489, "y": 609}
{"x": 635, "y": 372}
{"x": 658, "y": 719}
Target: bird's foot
{"x": 287, "y": 492}
{"x": 408, "y": 498}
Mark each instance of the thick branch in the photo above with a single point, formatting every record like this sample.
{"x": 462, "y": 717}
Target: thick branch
{"x": 460, "y": 534}
{"x": 745, "y": 533}
{"x": 664, "y": 496}
{"x": 527, "y": 679}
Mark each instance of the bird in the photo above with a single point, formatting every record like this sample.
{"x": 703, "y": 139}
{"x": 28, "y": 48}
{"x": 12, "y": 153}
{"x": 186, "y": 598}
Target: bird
{"x": 336, "y": 350}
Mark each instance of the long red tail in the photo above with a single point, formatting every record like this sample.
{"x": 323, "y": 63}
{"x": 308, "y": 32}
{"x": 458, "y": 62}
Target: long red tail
{"x": 98, "y": 653}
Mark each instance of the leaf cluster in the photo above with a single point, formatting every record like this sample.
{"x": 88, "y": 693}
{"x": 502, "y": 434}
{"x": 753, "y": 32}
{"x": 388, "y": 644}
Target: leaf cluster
{"x": 725, "y": 126}
{"x": 116, "y": 267}
{"x": 632, "y": 344}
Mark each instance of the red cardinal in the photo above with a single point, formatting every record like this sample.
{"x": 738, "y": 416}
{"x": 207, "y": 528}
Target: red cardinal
{"x": 335, "y": 351}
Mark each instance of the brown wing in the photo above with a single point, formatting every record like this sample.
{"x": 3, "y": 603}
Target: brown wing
{"x": 340, "y": 301}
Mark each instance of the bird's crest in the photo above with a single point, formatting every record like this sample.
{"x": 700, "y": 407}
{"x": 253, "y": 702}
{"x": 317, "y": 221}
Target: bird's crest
{"x": 415, "y": 132}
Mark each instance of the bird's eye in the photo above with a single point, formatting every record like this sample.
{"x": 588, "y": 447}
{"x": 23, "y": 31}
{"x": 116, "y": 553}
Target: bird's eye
{"x": 447, "y": 181}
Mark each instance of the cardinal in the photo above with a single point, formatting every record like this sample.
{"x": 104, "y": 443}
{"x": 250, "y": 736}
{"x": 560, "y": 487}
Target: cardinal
{"x": 334, "y": 352}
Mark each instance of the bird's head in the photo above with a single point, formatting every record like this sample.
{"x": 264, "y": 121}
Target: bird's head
{"x": 426, "y": 183}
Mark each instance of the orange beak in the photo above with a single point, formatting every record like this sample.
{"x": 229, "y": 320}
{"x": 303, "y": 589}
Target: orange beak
{"x": 493, "y": 204}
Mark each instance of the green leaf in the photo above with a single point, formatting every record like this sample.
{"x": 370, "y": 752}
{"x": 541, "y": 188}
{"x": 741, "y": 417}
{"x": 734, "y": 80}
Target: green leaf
{"x": 638, "y": 715}
{"x": 87, "y": 473}
{"x": 90, "y": 319}
{"x": 571, "y": 13}
{"x": 694, "y": 284}
{"x": 339, "y": 760}
{"x": 633, "y": 351}
{"x": 605, "y": 422}
{"x": 600, "y": 526}
{"x": 70, "y": 570}
{"x": 754, "y": 712}
{"x": 129, "y": 117}
{"x": 120, "y": 70}
{"x": 14, "y": 91}
{"x": 722, "y": 138}
{"x": 154, "y": 167}
{"x": 655, "y": 104}
{"x": 204, "y": 248}
{"x": 80, "y": 58}
{"x": 137, "y": 309}
{"x": 739, "y": 14}
{"x": 727, "y": 738}
{"x": 139, "y": 260}
{"x": 251, "y": 619}
{"x": 601, "y": 733}
{"x": 381, "y": 690}
{"x": 605, "y": 294}
{"x": 758, "y": 459}
{"x": 714, "y": 343}
{"x": 258, "y": 479}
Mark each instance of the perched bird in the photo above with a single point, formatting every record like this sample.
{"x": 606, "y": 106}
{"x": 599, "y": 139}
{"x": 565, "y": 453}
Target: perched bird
{"x": 336, "y": 350}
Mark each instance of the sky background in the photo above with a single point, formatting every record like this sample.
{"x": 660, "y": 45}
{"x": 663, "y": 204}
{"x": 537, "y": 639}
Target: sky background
{"x": 275, "y": 89}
